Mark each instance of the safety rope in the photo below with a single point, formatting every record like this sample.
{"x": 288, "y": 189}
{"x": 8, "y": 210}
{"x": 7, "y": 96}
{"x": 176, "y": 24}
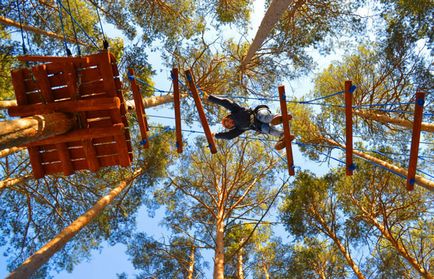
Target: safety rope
{"x": 73, "y": 29}
{"x": 21, "y": 28}
{"x": 68, "y": 51}
{"x": 105, "y": 42}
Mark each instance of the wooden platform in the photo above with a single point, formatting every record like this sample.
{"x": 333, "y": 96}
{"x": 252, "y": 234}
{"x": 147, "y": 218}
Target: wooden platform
{"x": 88, "y": 87}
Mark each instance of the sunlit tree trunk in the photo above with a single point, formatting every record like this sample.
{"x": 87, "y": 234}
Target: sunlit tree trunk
{"x": 219, "y": 259}
{"x": 191, "y": 263}
{"x": 9, "y": 151}
{"x": 22, "y": 131}
{"x": 7, "y": 104}
{"x": 275, "y": 10}
{"x": 427, "y": 184}
{"x": 338, "y": 243}
{"x": 265, "y": 270}
{"x": 153, "y": 101}
{"x": 34, "y": 262}
{"x": 10, "y": 22}
{"x": 401, "y": 249}
{"x": 240, "y": 262}
{"x": 12, "y": 181}
{"x": 396, "y": 121}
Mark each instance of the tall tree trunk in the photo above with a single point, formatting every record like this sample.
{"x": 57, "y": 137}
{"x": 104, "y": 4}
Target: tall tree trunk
{"x": 401, "y": 249}
{"x": 153, "y": 101}
{"x": 219, "y": 259}
{"x": 389, "y": 120}
{"x": 12, "y": 181}
{"x": 22, "y": 131}
{"x": 191, "y": 263}
{"x": 265, "y": 270}
{"x": 240, "y": 262}
{"x": 34, "y": 262}
{"x": 7, "y": 104}
{"x": 10, "y": 22}
{"x": 427, "y": 184}
{"x": 275, "y": 10}
{"x": 9, "y": 151}
{"x": 338, "y": 243}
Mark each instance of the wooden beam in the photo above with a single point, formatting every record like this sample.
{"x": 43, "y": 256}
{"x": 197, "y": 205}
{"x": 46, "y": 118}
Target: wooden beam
{"x": 177, "y": 105}
{"x": 201, "y": 112}
{"x": 66, "y": 106}
{"x": 286, "y": 130}
{"x": 349, "y": 166}
{"x": 18, "y": 83}
{"x": 140, "y": 109}
{"x": 63, "y": 152}
{"x": 415, "y": 140}
{"x": 83, "y": 134}
{"x": 35, "y": 160}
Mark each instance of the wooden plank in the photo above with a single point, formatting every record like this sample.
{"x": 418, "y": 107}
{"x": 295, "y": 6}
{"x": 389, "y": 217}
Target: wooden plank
{"x": 95, "y": 87}
{"x": 53, "y": 59}
{"x": 105, "y": 68}
{"x": 90, "y": 75}
{"x": 177, "y": 106}
{"x": 415, "y": 140}
{"x": 76, "y": 153}
{"x": 35, "y": 160}
{"x": 286, "y": 130}
{"x": 65, "y": 159}
{"x": 139, "y": 107}
{"x": 66, "y": 106}
{"x": 18, "y": 83}
{"x": 106, "y": 149}
{"x": 53, "y": 168}
{"x": 100, "y": 123}
{"x": 124, "y": 159}
{"x": 40, "y": 74}
{"x": 80, "y": 164}
{"x": 201, "y": 112}
{"x": 83, "y": 134}
{"x": 90, "y": 153}
{"x": 49, "y": 156}
{"x": 109, "y": 161}
{"x": 349, "y": 128}
{"x": 59, "y": 79}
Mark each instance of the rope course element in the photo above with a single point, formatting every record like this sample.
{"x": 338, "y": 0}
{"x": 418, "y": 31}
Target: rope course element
{"x": 65, "y": 44}
{"x": 78, "y": 24}
{"x": 165, "y": 130}
{"x": 147, "y": 84}
{"x": 21, "y": 28}
{"x": 74, "y": 30}
{"x": 105, "y": 42}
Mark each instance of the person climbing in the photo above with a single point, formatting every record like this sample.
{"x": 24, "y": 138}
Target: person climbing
{"x": 242, "y": 119}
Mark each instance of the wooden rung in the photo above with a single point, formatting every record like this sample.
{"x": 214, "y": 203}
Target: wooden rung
{"x": 286, "y": 130}
{"x": 140, "y": 109}
{"x": 201, "y": 112}
{"x": 18, "y": 83}
{"x": 64, "y": 157}
{"x": 66, "y": 106}
{"x": 35, "y": 160}
{"x": 40, "y": 74}
{"x": 83, "y": 134}
{"x": 177, "y": 105}
{"x": 349, "y": 128}
{"x": 415, "y": 140}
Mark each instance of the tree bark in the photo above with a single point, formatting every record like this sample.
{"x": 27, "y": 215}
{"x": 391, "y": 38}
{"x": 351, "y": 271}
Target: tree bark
{"x": 12, "y": 181}
{"x": 219, "y": 260}
{"x": 191, "y": 263}
{"x": 240, "y": 262}
{"x": 34, "y": 262}
{"x": 22, "y": 131}
{"x": 402, "y": 250}
{"x": 153, "y": 101}
{"x": 10, "y": 22}
{"x": 275, "y": 10}
{"x": 427, "y": 184}
{"x": 9, "y": 151}
{"x": 396, "y": 121}
{"x": 265, "y": 270}
{"x": 7, "y": 104}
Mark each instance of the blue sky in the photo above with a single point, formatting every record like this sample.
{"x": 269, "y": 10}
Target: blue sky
{"x": 112, "y": 259}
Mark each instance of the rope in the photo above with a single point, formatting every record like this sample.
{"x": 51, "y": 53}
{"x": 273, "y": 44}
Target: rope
{"x": 21, "y": 28}
{"x": 147, "y": 84}
{"x": 78, "y": 24}
{"x": 105, "y": 42}
{"x": 73, "y": 29}
{"x": 68, "y": 51}
{"x": 165, "y": 130}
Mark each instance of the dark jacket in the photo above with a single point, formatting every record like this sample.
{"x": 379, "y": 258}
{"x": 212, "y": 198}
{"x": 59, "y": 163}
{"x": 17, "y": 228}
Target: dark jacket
{"x": 244, "y": 118}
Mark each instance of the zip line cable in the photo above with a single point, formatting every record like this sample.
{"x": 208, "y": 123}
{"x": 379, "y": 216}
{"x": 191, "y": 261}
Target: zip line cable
{"x": 77, "y": 45}
{"x": 105, "y": 42}
{"x": 21, "y": 28}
